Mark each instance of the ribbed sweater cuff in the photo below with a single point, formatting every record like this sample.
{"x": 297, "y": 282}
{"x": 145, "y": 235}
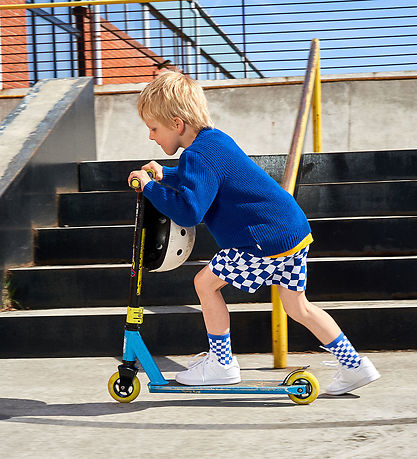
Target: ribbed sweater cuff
{"x": 147, "y": 191}
{"x": 168, "y": 173}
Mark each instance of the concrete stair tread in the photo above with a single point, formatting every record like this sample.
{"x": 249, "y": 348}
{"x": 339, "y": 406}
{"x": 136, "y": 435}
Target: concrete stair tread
{"x": 187, "y": 309}
{"x": 200, "y": 263}
{"x": 362, "y": 182}
{"x": 73, "y": 228}
{"x": 361, "y": 217}
{"x": 370, "y": 258}
{"x": 130, "y": 225}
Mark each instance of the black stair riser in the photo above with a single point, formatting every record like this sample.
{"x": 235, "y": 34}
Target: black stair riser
{"x": 315, "y": 168}
{"x": 328, "y": 280}
{"x": 176, "y": 333}
{"x": 358, "y": 200}
{"x": 358, "y": 166}
{"x": 345, "y": 237}
{"x": 112, "y": 175}
{"x": 102, "y": 245}
{"x": 317, "y": 201}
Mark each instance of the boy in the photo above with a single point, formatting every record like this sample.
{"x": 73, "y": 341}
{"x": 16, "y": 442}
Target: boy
{"x": 263, "y": 234}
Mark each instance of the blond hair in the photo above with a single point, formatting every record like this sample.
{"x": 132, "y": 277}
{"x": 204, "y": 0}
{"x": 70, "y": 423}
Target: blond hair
{"x": 171, "y": 95}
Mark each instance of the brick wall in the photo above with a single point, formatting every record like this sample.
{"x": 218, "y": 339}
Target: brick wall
{"x": 14, "y": 60}
{"x": 123, "y": 60}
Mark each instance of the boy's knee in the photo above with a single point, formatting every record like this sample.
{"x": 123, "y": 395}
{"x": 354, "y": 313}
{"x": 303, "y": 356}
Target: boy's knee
{"x": 205, "y": 281}
{"x": 298, "y": 311}
{"x": 200, "y": 280}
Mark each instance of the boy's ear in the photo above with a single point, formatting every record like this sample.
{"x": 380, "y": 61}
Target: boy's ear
{"x": 179, "y": 125}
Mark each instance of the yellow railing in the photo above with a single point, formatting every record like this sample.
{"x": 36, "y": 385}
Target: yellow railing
{"x": 311, "y": 93}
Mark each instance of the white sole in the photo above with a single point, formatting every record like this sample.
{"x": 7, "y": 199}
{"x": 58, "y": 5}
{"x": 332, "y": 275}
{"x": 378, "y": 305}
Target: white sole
{"x": 357, "y": 385}
{"x": 218, "y": 382}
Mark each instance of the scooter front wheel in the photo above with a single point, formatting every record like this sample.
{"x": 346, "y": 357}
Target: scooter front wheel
{"x": 123, "y": 395}
{"x": 313, "y": 387}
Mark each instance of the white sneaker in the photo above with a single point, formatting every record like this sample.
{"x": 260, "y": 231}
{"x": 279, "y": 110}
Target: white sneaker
{"x": 205, "y": 369}
{"x": 348, "y": 379}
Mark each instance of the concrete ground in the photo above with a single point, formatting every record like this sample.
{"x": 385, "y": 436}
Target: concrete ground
{"x": 60, "y": 408}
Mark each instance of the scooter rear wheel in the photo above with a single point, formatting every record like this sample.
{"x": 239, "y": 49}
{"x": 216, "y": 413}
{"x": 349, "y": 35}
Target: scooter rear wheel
{"x": 313, "y": 387}
{"x": 123, "y": 395}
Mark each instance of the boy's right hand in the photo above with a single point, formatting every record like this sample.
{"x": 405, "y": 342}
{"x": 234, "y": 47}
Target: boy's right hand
{"x": 157, "y": 168}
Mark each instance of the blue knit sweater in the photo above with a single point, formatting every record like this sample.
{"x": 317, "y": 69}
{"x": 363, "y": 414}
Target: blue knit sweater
{"x": 242, "y": 206}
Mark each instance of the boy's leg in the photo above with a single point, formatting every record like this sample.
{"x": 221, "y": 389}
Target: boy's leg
{"x": 354, "y": 371}
{"x": 219, "y": 366}
{"x": 319, "y": 322}
{"x": 215, "y": 312}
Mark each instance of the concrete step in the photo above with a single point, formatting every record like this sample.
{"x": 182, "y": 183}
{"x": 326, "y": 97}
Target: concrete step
{"x": 315, "y": 168}
{"x": 317, "y": 201}
{"x": 329, "y": 279}
{"x": 381, "y": 325}
{"x": 363, "y": 236}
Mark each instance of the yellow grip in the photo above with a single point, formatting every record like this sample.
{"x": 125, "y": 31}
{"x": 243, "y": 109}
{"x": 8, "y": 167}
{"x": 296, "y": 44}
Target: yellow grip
{"x": 135, "y": 182}
{"x": 134, "y": 315}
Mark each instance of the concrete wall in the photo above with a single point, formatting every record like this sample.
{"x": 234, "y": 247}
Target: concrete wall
{"x": 7, "y": 106}
{"x": 360, "y": 112}
{"x": 41, "y": 142}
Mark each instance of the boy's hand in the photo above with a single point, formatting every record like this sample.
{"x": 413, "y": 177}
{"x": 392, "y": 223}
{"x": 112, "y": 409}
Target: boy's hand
{"x": 157, "y": 168}
{"x": 142, "y": 176}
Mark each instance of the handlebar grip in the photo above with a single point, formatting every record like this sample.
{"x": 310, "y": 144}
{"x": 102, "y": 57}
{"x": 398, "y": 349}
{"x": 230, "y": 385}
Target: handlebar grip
{"x": 135, "y": 182}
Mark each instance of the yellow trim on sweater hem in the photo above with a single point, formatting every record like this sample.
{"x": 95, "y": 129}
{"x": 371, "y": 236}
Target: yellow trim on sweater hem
{"x": 304, "y": 243}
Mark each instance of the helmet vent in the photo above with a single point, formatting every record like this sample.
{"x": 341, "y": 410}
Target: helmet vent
{"x": 179, "y": 252}
{"x": 183, "y": 232}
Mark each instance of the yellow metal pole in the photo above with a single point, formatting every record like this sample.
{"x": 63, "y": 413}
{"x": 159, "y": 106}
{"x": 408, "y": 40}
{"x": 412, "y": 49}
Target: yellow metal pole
{"x": 279, "y": 330}
{"x": 317, "y": 140}
{"x": 19, "y": 6}
{"x": 279, "y": 316}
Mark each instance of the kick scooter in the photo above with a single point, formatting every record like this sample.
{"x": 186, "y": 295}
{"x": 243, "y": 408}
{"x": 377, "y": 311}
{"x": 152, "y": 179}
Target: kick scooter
{"x": 301, "y": 386}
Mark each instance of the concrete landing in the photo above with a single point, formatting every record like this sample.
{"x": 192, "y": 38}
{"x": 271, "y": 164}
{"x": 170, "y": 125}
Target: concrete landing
{"x": 60, "y": 408}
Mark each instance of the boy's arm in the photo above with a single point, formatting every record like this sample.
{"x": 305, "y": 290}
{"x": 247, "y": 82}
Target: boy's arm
{"x": 170, "y": 176}
{"x": 196, "y": 189}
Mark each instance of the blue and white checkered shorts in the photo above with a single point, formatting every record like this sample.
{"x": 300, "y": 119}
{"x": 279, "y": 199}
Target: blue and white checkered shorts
{"x": 249, "y": 272}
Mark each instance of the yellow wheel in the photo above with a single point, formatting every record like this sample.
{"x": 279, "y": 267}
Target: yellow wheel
{"x": 123, "y": 395}
{"x": 313, "y": 387}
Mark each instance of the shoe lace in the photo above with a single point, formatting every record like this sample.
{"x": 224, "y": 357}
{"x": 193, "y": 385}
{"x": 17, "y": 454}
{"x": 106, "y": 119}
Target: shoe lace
{"x": 197, "y": 359}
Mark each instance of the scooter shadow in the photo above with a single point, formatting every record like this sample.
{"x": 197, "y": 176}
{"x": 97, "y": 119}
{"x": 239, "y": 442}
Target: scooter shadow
{"x": 13, "y": 407}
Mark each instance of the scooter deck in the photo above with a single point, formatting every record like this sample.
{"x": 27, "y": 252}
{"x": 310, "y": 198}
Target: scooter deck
{"x": 244, "y": 387}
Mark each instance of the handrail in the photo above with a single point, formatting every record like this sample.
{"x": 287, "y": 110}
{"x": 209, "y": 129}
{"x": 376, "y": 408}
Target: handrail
{"x": 311, "y": 93}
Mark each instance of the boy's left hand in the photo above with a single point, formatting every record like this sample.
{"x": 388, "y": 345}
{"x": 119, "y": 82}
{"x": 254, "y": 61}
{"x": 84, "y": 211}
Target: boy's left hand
{"x": 142, "y": 176}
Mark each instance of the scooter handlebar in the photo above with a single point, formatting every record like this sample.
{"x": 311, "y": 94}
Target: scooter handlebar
{"x": 135, "y": 182}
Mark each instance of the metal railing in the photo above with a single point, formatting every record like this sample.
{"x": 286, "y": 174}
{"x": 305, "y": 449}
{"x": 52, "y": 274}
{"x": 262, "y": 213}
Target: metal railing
{"x": 130, "y": 40}
{"x": 310, "y": 98}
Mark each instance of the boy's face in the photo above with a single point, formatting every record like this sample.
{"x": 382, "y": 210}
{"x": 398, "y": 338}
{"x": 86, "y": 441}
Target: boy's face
{"x": 168, "y": 138}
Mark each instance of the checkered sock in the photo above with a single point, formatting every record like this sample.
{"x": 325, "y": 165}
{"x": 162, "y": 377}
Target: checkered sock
{"x": 221, "y": 346}
{"x": 345, "y": 353}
